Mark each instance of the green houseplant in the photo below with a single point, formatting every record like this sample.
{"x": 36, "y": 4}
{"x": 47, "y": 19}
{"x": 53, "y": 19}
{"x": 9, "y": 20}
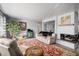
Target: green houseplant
{"x": 13, "y": 27}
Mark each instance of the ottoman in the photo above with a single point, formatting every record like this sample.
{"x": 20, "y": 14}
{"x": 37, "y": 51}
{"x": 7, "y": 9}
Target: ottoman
{"x": 34, "y": 51}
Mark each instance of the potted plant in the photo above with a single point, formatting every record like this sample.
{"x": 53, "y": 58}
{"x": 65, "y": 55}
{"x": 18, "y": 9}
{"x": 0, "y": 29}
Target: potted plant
{"x": 13, "y": 27}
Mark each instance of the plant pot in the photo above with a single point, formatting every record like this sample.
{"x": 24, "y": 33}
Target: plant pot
{"x": 13, "y": 37}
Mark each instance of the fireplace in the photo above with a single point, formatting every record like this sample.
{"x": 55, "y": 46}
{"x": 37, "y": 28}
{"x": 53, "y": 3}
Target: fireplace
{"x": 69, "y": 38}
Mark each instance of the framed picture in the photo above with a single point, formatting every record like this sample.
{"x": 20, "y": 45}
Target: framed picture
{"x": 23, "y": 25}
{"x": 65, "y": 20}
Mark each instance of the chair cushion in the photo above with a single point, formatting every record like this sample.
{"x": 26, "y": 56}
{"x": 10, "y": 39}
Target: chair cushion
{"x": 5, "y": 41}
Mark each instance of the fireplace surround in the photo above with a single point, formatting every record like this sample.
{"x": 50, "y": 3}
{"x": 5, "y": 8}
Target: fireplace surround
{"x": 69, "y": 38}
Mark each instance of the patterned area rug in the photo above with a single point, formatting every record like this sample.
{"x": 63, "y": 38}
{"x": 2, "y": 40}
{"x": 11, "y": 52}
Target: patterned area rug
{"x": 48, "y": 49}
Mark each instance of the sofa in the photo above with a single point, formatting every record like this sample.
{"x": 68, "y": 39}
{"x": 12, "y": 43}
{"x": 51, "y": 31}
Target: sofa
{"x": 47, "y": 39}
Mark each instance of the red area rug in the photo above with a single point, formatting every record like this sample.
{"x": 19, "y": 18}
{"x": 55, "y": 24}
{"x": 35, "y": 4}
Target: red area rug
{"x": 48, "y": 49}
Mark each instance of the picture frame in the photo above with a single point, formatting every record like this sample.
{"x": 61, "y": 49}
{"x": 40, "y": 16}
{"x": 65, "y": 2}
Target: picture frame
{"x": 65, "y": 20}
{"x": 23, "y": 25}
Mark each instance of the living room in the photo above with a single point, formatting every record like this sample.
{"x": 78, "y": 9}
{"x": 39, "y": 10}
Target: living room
{"x": 39, "y": 29}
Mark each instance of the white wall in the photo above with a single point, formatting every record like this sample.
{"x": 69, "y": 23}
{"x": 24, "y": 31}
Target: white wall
{"x": 34, "y": 25}
{"x": 67, "y": 29}
{"x": 62, "y": 29}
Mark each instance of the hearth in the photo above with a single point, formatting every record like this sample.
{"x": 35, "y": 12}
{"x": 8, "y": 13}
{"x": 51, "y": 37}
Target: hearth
{"x": 69, "y": 38}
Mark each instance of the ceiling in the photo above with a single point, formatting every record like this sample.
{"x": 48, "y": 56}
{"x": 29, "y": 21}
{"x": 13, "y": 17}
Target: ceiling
{"x": 37, "y": 11}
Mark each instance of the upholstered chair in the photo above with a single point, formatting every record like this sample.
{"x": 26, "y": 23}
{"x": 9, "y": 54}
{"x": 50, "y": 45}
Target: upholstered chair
{"x": 14, "y": 49}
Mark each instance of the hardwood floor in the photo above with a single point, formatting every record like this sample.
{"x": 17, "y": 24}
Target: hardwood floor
{"x": 67, "y": 48}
